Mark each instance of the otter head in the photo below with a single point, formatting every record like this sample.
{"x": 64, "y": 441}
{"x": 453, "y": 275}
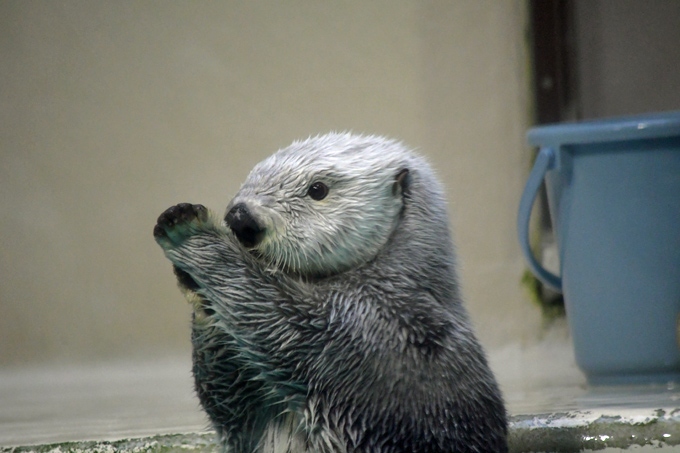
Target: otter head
{"x": 323, "y": 205}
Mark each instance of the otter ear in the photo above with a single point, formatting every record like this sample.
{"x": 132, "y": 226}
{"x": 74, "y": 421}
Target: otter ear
{"x": 401, "y": 183}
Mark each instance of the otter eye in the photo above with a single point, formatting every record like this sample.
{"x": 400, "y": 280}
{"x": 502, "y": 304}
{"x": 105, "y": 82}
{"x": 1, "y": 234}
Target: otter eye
{"x": 317, "y": 191}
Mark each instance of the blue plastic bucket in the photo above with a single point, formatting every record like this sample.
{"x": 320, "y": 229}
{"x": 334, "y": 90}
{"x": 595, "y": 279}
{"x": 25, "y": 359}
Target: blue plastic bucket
{"x": 614, "y": 199}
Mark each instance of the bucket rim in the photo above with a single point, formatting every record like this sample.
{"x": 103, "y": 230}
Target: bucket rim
{"x": 612, "y": 129}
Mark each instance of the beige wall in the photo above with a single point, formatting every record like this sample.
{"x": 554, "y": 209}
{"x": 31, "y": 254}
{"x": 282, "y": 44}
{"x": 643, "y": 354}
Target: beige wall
{"x": 112, "y": 111}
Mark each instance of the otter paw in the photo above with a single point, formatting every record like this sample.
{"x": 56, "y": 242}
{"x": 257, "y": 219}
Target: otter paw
{"x": 179, "y": 222}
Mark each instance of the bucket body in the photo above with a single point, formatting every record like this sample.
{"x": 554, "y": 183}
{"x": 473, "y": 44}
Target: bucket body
{"x": 614, "y": 197}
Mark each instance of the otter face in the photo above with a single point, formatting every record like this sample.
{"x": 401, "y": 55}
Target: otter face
{"x": 322, "y": 205}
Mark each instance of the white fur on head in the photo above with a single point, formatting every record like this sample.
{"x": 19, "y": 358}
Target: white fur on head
{"x": 346, "y": 228}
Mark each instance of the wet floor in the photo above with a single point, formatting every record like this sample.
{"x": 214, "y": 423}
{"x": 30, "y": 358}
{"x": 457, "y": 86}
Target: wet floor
{"x": 97, "y": 402}
{"x": 136, "y": 399}
{"x": 543, "y": 378}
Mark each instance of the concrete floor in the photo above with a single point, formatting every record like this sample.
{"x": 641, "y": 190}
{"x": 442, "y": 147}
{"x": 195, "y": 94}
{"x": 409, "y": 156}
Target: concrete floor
{"x": 100, "y": 401}
{"x": 551, "y": 406}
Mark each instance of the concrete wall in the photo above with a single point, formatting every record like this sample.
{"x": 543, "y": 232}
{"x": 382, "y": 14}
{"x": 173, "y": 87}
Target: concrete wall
{"x": 112, "y": 111}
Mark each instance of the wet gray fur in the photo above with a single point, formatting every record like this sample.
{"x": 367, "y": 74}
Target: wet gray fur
{"x": 342, "y": 329}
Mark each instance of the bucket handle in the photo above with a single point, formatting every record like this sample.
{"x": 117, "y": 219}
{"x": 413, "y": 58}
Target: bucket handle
{"x": 544, "y": 161}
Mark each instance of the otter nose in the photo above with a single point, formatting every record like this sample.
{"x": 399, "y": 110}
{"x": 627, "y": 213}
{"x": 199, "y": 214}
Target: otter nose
{"x": 244, "y": 225}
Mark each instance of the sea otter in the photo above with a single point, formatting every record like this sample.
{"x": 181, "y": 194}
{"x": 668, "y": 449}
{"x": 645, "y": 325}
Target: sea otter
{"x": 327, "y": 307}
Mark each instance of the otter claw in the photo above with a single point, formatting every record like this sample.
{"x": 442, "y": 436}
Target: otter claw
{"x": 178, "y": 216}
